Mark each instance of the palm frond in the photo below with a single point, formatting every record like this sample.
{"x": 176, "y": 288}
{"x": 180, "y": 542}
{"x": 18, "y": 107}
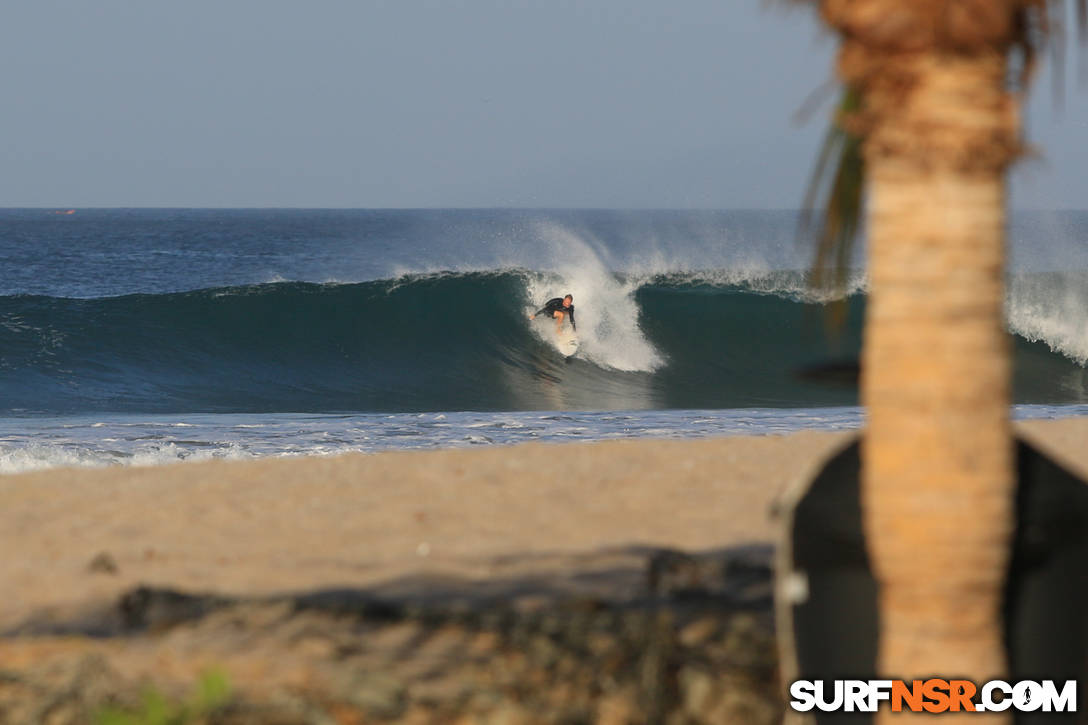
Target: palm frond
{"x": 1042, "y": 24}
{"x": 831, "y": 214}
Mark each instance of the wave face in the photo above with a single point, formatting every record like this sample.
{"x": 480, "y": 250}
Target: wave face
{"x": 445, "y": 342}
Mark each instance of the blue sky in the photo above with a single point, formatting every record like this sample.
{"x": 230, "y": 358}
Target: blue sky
{"x": 367, "y": 103}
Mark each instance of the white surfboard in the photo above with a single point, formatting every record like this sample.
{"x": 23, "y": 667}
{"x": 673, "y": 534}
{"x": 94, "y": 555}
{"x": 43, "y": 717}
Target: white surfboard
{"x": 566, "y": 342}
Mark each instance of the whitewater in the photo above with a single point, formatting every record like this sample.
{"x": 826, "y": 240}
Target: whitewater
{"x": 150, "y": 336}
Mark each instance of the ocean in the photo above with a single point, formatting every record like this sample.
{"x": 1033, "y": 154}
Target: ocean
{"x": 142, "y": 336}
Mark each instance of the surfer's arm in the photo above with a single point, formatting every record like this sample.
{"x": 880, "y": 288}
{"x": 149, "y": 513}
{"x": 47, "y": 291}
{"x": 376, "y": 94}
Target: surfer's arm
{"x": 571, "y": 313}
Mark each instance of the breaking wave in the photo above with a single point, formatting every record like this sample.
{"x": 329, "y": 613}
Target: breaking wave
{"x": 462, "y": 341}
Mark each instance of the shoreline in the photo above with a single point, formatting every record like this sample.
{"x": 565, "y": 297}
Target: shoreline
{"x": 129, "y": 440}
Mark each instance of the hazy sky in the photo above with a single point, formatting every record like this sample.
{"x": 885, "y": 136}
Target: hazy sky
{"x": 365, "y": 103}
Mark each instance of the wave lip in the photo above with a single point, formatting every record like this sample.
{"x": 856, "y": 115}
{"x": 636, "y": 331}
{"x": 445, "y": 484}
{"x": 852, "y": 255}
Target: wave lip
{"x": 1051, "y": 308}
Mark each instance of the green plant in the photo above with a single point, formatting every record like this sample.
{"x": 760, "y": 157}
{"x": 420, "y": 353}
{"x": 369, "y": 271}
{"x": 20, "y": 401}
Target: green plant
{"x": 212, "y": 691}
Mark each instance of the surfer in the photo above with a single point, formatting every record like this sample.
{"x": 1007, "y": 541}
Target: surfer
{"x": 558, "y": 307}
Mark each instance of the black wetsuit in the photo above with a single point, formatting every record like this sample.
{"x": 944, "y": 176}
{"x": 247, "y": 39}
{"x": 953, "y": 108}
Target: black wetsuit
{"x": 556, "y": 305}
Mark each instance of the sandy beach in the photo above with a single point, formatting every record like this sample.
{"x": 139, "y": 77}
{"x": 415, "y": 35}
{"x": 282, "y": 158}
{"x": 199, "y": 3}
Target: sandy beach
{"x": 279, "y": 525}
{"x": 508, "y": 524}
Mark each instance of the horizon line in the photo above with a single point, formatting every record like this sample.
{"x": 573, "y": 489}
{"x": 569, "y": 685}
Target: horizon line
{"x": 62, "y": 207}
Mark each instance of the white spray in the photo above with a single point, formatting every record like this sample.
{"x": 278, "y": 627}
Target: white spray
{"x": 605, "y": 308}
{"x": 1047, "y": 298}
{"x": 1051, "y": 308}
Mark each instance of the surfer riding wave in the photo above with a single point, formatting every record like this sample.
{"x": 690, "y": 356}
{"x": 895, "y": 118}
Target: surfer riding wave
{"x": 559, "y": 308}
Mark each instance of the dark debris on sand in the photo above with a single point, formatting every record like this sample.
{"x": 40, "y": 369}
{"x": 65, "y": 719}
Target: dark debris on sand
{"x": 696, "y": 645}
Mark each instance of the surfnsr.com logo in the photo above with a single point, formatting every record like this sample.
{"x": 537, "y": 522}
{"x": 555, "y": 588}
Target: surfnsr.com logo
{"x": 933, "y": 695}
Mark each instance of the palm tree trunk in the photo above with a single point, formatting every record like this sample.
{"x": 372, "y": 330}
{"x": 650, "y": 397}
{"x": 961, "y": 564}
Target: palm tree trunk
{"x": 938, "y": 474}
